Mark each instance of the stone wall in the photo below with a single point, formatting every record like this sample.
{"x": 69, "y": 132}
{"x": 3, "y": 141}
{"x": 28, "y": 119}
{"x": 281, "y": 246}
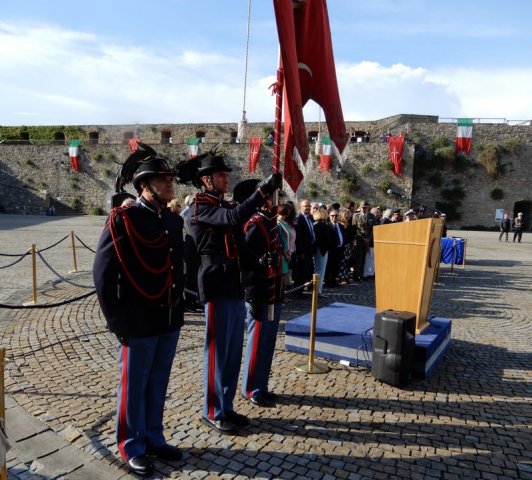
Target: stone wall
{"x": 34, "y": 176}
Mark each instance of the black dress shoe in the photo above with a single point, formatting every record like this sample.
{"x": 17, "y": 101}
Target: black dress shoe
{"x": 222, "y": 425}
{"x": 166, "y": 452}
{"x": 272, "y": 397}
{"x": 141, "y": 466}
{"x": 261, "y": 401}
{"x": 238, "y": 419}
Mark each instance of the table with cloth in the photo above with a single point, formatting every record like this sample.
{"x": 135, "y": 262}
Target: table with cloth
{"x": 453, "y": 250}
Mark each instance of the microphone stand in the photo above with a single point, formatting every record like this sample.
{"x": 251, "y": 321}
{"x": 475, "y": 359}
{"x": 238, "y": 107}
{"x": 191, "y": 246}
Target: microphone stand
{"x": 422, "y": 206}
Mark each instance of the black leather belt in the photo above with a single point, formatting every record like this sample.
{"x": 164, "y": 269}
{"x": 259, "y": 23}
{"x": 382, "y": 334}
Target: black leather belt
{"x": 218, "y": 260}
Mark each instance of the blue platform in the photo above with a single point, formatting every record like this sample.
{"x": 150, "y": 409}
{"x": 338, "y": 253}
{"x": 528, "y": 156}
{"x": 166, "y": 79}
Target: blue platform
{"x": 345, "y": 332}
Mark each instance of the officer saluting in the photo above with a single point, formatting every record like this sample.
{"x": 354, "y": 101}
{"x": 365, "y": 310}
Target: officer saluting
{"x": 138, "y": 273}
{"x": 216, "y": 226}
{"x": 263, "y": 276}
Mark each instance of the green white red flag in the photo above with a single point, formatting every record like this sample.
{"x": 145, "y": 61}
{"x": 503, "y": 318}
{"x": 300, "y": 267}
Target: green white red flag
{"x": 193, "y": 146}
{"x": 326, "y": 152}
{"x": 464, "y": 135}
{"x": 73, "y": 153}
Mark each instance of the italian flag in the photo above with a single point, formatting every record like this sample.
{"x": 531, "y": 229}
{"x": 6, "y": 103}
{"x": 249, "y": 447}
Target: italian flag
{"x": 464, "y": 134}
{"x": 193, "y": 147}
{"x": 73, "y": 153}
{"x": 326, "y": 150}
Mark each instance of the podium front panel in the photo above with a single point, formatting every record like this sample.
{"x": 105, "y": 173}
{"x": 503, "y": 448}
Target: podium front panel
{"x": 406, "y": 260}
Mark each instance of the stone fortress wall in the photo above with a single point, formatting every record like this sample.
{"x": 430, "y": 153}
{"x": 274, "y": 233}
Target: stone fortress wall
{"x": 34, "y": 175}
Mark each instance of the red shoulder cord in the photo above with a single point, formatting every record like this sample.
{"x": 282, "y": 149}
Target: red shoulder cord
{"x": 114, "y": 235}
{"x": 274, "y": 274}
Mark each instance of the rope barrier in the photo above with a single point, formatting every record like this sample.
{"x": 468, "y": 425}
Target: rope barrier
{"x": 15, "y": 262}
{"x": 48, "y": 305}
{"x": 54, "y": 245}
{"x": 60, "y": 277}
{"x": 299, "y": 287}
{"x": 85, "y": 245}
{"x": 13, "y": 254}
{"x": 287, "y": 292}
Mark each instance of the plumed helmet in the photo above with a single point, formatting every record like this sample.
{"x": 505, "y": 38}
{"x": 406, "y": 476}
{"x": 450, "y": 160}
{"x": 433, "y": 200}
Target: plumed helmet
{"x": 151, "y": 167}
{"x": 142, "y": 164}
{"x": 211, "y": 164}
{"x": 244, "y": 189}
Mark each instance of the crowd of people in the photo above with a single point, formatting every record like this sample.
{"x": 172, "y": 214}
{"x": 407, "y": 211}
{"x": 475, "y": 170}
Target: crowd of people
{"x": 332, "y": 241}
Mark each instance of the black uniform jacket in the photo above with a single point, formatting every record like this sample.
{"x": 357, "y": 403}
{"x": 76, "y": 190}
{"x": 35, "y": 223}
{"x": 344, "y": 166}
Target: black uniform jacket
{"x": 216, "y": 226}
{"x": 138, "y": 271}
{"x": 262, "y": 282}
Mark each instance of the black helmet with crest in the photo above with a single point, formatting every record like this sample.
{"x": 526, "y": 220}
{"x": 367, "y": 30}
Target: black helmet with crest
{"x": 142, "y": 164}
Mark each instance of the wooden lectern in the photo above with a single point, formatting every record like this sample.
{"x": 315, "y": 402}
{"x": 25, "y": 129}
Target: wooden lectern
{"x": 407, "y": 256}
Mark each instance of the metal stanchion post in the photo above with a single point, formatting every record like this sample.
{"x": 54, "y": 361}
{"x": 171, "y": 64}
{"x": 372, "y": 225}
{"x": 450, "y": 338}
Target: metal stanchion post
{"x": 72, "y": 236}
{"x": 34, "y": 275}
{"x": 311, "y": 366}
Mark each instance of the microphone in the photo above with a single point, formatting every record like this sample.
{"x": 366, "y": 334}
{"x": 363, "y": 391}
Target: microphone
{"x": 391, "y": 192}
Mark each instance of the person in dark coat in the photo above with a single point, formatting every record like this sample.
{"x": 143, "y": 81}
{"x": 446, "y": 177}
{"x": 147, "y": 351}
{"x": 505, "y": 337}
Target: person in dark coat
{"x": 505, "y": 226}
{"x": 263, "y": 283}
{"x": 336, "y": 253}
{"x": 325, "y": 242}
{"x": 216, "y": 226}
{"x": 138, "y": 274}
{"x": 305, "y": 246}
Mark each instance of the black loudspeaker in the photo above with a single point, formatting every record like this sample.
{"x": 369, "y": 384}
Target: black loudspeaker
{"x": 393, "y": 347}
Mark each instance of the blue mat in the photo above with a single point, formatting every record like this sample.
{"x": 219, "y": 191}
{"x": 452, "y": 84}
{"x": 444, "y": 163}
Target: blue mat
{"x": 345, "y": 332}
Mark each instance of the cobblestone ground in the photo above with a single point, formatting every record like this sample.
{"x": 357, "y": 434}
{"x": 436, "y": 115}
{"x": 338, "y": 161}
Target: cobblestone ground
{"x": 470, "y": 419}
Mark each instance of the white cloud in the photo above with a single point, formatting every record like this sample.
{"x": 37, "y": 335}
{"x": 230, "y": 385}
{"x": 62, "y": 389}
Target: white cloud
{"x": 490, "y": 93}
{"x": 50, "y": 75}
{"x": 370, "y": 91}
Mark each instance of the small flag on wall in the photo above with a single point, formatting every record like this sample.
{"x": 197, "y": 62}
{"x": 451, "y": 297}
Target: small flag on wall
{"x": 464, "y": 135}
{"x": 395, "y": 150}
{"x": 326, "y": 151}
{"x": 255, "y": 145}
{"x": 73, "y": 153}
{"x": 133, "y": 144}
{"x": 193, "y": 146}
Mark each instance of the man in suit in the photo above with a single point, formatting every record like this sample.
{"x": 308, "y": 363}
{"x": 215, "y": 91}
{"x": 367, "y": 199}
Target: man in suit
{"x": 304, "y": 267}
{"x": 335, "y": 255}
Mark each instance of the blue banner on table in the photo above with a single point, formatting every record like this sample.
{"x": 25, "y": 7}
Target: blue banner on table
{"x": 452, "y": 250}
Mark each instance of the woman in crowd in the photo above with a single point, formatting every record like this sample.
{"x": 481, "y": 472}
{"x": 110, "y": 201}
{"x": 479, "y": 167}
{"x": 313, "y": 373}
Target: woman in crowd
{"x": 324, "y": 242}
{"x": 344, "y": 217}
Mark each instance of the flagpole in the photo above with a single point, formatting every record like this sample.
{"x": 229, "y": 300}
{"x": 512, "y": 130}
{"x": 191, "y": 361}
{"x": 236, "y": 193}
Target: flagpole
{"x": 276, "y": 164}
{"x": 278, "y": 90}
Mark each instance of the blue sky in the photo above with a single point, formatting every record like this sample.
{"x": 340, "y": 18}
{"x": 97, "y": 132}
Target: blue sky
{"x": 181, "y": 61}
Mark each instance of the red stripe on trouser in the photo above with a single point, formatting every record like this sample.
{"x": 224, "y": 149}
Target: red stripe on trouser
{"x": 122, "y": 416}
{"x": 253, "y": 358}
{"x": 212, "y": 358}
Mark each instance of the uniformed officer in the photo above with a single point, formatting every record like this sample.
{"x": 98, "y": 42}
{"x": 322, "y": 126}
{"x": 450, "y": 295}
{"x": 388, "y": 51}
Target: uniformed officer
{"x": 263, "y": 276}
{"x": 138, "y": 278}
{"x": 216, "y": 226}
